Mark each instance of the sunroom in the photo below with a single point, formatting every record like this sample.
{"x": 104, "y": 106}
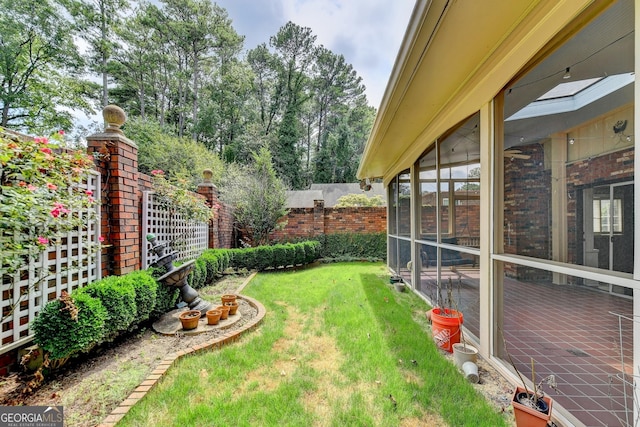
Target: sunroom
{"x": 506, "y": 142}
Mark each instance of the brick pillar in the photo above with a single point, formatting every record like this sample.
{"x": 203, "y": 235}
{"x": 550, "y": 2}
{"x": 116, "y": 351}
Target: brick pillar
{"x": 117, "y": 161}
{"x": 210, "y": 193}
{"x": 318, "y": 217}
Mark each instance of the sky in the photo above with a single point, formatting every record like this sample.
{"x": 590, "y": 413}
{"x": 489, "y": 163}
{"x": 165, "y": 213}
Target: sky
{"x": 367, "y": 33}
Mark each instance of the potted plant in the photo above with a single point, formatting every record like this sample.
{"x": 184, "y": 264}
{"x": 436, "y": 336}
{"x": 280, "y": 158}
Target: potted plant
{"x": 531, "y": 407}
{"x": 446, "y": 322}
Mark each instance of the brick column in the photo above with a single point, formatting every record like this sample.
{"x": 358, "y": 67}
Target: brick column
{"x": 117, "y": 161}
{"x": 318, "y": 217}
{"x": 210, "y": 193}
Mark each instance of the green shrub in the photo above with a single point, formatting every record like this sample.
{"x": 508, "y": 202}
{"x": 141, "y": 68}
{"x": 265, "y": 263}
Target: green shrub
{"x": 146, "y": 288}
{"x": 166, "y": 299}
{"x": 263, "y": 257}
{"x": 311, "y": 251}
{"x": 299, "y": 255}
{"x": 355, "y": 246}
{"x": 279, "y": 256}
{"x": 198, "y": 276}
{"x": 119, "y": 299}
{"x": 210, "y": 259}
{"x": 60, "y": 335}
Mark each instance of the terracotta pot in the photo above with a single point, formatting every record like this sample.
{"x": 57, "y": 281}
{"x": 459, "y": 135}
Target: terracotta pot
{"x": 233, "y": 307}
{"x": 213, "y": 316}
{"x": 190, "y": 319}
{"x": 228, "y": 298}
{"x": 225, "y": 311}
{"x": 526, "y": 416}
{"x": 445, "y": 325}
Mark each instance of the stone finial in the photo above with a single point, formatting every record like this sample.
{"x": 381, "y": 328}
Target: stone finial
{"x": 207, "y": 174}
{"x": 114, "y": 117}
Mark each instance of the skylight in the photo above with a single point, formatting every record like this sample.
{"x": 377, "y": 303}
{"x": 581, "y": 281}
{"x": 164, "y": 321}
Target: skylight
{"x": 572, "y": 96}
{"x": 568, "y": 89}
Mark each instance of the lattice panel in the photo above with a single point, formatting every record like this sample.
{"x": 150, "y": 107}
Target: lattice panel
{"x": 188, "y": 238}
{"x": 66, "y": 266}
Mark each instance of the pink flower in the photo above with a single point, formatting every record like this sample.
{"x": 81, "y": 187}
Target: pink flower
{"x": 43, "y": 240}
{"x": 41, "y": 140}
{"x": 61, "y": 132}
{"x": 101, "y": 239}
{"x": 58, "y": 208}
{"x": 51, "y": 186}
{"x": 31, "y": 187}
{"x": 22, "y": 184}
{"x": 89, "y": 193}
{"x": 157, "y": 172}
{"x": 46, "y": 150}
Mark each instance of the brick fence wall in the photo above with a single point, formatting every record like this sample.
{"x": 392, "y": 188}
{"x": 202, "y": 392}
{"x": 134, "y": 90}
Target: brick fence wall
{"x": 309, "y": 222}
{"x": 122, "y": 187}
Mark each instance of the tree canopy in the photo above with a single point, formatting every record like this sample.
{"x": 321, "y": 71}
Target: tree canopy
{"x": 182, "y": 65}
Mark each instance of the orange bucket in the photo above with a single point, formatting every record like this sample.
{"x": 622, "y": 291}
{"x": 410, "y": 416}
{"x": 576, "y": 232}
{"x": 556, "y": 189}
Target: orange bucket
{"x": 445, "y": 325}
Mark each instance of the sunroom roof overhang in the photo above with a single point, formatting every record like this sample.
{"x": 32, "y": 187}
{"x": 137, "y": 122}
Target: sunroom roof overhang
{"x": 455, "y": 57}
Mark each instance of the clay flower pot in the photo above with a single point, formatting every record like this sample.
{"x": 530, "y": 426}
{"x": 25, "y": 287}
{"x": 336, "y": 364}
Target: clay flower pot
{"x": 225, "y": 311}
{"x": 228, "y": 298}
{"x": 525, "y": 413}
{"x": 233, "y": 307}
{"x": 213, "y": 316}
{"x": 190, "y": 319}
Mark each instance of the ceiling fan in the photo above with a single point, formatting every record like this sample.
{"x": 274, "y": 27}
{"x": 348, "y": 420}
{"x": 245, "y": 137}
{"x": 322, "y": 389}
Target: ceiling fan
{"x": 515, "y": 154}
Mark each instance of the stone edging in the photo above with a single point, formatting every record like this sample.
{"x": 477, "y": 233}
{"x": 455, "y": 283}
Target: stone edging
{"x": 152, "y": 379}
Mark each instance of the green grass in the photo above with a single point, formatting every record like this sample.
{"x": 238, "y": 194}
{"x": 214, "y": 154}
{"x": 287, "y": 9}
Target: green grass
{"x": 338, "y": 347}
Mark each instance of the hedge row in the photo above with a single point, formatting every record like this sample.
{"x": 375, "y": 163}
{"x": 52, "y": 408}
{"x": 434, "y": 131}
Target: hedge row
{"x": 95, "y": 313}
{"x": 100, "y": 311}
{"x": 275, "y": 256}
{"x": 353, "y": 246}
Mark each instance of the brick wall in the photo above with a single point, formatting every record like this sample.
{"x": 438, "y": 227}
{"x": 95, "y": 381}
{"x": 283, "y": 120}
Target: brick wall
{"x": 527, "y": 210}
{"x": 309, "y": 222}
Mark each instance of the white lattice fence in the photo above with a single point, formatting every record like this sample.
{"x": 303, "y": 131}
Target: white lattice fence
{"x": 66, "y": 266}
{"x": 188, "y": 238}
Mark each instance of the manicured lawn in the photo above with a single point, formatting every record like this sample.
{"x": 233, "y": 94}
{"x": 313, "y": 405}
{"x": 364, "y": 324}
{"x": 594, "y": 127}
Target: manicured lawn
{"x": 338, "y": 347}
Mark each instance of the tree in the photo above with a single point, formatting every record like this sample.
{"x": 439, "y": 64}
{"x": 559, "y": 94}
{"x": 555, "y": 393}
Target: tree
{"x": 295, "y": 49}
{"x": 178, "y": 158}
{"x": 258, "y": 196}
{"x": 97, "y": 20}
{"x": 39, "y": 66}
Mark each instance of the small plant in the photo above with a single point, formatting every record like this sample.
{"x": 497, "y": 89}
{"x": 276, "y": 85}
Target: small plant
{"x": 533, "y": 399}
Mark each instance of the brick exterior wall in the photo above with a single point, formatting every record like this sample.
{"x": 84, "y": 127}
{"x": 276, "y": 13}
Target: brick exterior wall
{"x": 309, "y": 222}
{"x": 527, "y": 211}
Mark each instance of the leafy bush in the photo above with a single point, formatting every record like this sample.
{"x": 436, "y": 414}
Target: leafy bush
{"x": 359, "y": 200}
{"x": 299, "y": 257}
{"x": 146, "y": 288}
{"x": 198, "y": 276}
{"x": 71, "y": 324}
{"x": 118, "y": 298}
{"x": 40, "y": 198}
{"x": 166, "y": 299}
{"x": 355, "y": 246}
{"x": 280, "y": 258}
